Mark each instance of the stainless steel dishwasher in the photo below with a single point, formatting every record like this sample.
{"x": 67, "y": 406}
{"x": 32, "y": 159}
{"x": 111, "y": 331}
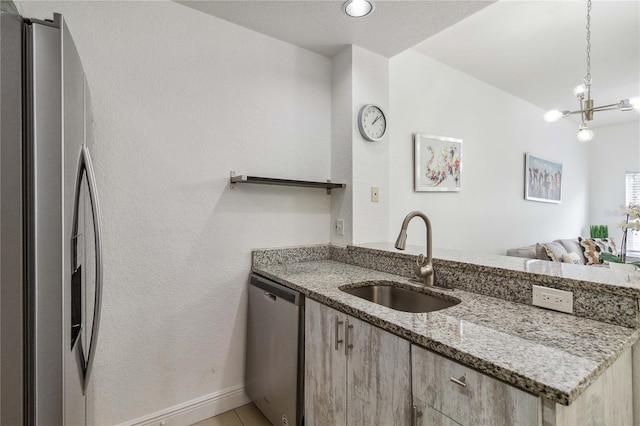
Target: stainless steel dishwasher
{"x": 274, "y": 369}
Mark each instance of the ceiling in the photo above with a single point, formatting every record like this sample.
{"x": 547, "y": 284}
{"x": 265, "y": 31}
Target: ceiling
{"x": 534, "y": 50}
{"x": 322, "y": 27}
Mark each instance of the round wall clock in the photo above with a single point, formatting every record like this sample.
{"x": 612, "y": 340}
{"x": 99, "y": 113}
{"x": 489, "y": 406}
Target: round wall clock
{"x": 372, "y": 122}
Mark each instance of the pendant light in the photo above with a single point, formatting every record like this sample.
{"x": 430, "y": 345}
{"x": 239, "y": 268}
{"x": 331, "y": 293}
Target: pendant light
{"x": 583, "y": 93}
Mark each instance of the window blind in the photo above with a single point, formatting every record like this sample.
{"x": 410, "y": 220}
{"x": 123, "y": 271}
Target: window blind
{"x": 633, "y": 197}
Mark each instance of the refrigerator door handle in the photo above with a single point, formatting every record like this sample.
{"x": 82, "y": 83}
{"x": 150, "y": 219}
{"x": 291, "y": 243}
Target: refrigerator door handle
{"x": 85, "y": 166}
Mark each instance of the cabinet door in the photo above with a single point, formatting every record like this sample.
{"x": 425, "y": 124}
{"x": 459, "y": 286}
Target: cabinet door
{"x": 467, "y": 396}
{"x": 378, "y": 376}
{"x": 427, "y": 416}
{"x": 325, "y": 366}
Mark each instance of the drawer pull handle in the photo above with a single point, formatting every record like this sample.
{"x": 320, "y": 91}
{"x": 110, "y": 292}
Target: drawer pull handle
{"x": 337, "y": 324}
{"x": 461, "y": 381}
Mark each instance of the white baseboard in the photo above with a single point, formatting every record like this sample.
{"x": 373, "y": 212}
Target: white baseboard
{"x": 196, "y": 410}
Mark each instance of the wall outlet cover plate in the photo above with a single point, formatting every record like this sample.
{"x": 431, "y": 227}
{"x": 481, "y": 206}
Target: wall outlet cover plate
{"x": 551, "y": 298}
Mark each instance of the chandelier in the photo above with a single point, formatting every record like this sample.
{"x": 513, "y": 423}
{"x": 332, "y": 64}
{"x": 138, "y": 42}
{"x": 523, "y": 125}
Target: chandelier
{"x": 583, "y": 93}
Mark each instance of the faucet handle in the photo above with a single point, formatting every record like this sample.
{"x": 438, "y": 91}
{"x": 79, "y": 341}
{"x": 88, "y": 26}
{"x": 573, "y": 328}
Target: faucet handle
{"x": 424, "y": 270}
{"x": 420, "y": 269}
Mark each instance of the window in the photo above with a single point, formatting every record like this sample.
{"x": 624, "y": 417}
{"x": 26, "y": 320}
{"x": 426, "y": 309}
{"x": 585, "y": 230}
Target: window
{"x": 633, "y": 197}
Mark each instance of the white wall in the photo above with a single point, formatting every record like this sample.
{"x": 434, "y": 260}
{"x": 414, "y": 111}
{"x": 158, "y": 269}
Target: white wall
{"x": 613, "y": 151}
{"x": 180, "y": 99}
{"x": 489, "y": 214}
{"x": 370, "y": 159}
{"x": 360, "y": 77}
{"x": 341, "y": 144}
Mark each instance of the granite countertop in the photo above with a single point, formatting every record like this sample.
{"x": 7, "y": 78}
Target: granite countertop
{"x": 544, "y": 352}
{"x": 597, "y": 276}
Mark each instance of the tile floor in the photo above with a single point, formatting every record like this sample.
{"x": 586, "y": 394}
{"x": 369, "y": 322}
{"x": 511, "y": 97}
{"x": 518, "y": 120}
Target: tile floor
{"x": 247, "y": 415}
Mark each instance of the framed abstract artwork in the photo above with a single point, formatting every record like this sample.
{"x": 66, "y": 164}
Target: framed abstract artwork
{"x": 542, "y": 179}
{"x": 438, "y": 163}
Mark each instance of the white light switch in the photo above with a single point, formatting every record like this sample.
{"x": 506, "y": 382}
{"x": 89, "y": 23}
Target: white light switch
{"x": 374, "y": 194}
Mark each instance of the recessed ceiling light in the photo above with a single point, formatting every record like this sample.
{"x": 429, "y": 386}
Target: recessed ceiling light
{"x": 358, "y": 8}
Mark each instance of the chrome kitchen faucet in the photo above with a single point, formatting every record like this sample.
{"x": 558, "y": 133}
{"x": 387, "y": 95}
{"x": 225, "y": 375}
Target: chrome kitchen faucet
{"x": 424, "y": 267}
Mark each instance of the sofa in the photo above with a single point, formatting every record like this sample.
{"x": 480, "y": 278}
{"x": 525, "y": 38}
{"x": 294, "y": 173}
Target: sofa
{"x": 579, "y": 250}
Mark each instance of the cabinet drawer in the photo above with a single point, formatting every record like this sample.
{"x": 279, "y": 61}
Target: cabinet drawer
{"x": 467, "y": 396}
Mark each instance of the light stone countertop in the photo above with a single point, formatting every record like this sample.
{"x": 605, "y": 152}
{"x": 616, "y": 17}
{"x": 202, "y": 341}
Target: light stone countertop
{"x": 601, "y": 276}
{"x": 547, "y": 353}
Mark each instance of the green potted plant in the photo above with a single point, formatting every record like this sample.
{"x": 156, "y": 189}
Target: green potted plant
{"x": 599, "y": 231}
{"x": 632, "y": 223}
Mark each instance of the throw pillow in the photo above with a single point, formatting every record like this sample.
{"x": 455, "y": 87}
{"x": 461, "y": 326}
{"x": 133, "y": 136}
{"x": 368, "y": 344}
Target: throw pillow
{"x": 541, "y": 252}
{"x": 594, "y": 246}
{"x": 555, "y": 251}
{"x": 572, "y": 258}
{"x": 573, "y": 246}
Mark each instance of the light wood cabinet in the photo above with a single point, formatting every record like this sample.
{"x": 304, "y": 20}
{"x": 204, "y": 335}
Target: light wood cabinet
{"x": 325, "y": 387}
{"x": 355, "y": 373}
{"x": 461, "y": 395}
{"x": 358, "y": 374}
{"x": 635, "y": 382}
{"x": 466, "y": 396}
{"x": 429, "y": 416}
{"x": 607, "y": 401}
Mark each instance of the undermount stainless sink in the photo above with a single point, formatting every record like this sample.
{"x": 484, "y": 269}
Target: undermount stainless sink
{"x": 398, "y": 298}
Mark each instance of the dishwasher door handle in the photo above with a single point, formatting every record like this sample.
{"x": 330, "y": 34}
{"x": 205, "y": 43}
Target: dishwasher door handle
{"x": 271, "y": 296}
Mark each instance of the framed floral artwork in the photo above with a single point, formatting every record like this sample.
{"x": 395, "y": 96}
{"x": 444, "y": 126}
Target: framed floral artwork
{"x": 542, "y": 179}
{"x": 438, "y": 163}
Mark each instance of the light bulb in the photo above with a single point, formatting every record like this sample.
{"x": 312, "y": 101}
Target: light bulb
{"x": 584, "y": 134}
{"x": 627, "y": 105}
{"x": 553, "y": 115}
{"x": 579, "y": 90}
{"x": 358, "y": 8}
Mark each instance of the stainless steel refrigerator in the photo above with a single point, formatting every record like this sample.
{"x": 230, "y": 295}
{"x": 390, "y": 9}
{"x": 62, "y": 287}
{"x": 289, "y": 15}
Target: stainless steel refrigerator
{"x": 50, "y": 257}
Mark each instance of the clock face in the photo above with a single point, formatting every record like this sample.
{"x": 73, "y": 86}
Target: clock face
{"x": 372, "y": 123}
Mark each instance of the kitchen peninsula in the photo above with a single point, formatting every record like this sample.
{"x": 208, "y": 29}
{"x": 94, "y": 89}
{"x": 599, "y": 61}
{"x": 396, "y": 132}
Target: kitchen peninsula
{"x": 491, "y": 358}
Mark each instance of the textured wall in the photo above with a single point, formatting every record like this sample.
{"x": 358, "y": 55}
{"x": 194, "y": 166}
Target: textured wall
{"x": 360, "y": 77}
{"x": 180, "y": 99}
{"x": 489, "y": 214}
{"x": 613, "y": 151}
{"x": 342, "y": 123}
{"x": 370, "y": 159}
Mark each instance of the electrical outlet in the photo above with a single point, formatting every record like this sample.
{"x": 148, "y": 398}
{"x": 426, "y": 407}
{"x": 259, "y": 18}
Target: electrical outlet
{"x": 374, "y": 194}
{"x": 551, "y": 298}
{"x": 340, "y": 227}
